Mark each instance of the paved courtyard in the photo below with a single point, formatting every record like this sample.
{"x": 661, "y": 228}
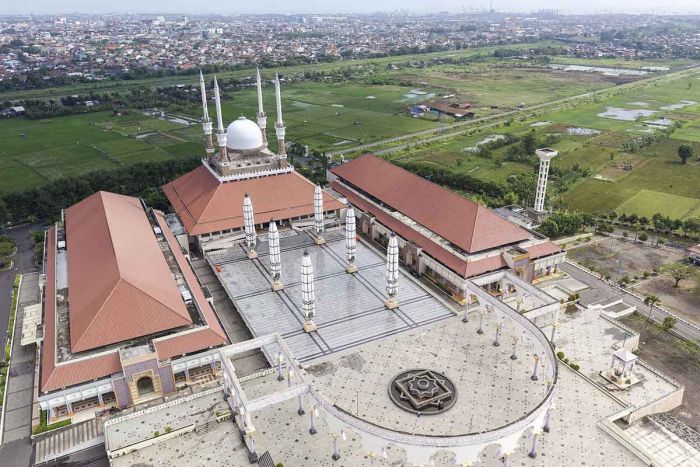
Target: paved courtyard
{"x": 492, "y": 390}
{"x": 587, "y": 339}
{"x": 349, "y": 307}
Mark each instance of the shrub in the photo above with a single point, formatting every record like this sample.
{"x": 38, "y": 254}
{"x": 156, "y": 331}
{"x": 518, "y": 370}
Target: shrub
{"x": 625, "y": 233}
{"x": 560, "y": 355}
{"x": 574, "y": 366}
{"x": 168, "y": 429}
{"x": 643, "y": 237}
{"x": 156, "y": 434}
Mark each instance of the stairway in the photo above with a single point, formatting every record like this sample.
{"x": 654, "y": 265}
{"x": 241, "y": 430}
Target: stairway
{"x": 64, "y": 441}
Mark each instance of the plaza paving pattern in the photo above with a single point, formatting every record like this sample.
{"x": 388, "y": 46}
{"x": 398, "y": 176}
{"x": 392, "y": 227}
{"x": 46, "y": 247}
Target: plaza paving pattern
{"x": 492, "y": 390}
{"x": 349, "y": 307}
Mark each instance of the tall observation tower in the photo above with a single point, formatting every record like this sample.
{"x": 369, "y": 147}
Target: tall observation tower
{"x": 545, "y": 155}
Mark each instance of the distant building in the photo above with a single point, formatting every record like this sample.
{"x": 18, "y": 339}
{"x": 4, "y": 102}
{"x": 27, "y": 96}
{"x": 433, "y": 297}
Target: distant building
{"x": 457, "y": 110}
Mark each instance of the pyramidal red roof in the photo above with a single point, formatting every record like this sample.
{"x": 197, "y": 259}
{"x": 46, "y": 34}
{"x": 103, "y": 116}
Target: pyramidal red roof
{"x": 205, "y": 205}
{"x": 119, "y": 284}
{"x": 464, "y": 223}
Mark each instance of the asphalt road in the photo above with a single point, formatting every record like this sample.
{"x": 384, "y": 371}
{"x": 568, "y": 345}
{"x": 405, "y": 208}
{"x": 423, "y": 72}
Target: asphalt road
{"x": 23, "y": 262}
{"x": 15, "y": 453}
{"x": 601, "y": 290}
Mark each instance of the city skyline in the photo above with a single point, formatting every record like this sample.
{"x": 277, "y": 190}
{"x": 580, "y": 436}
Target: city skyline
{"x": 362, "y": 6}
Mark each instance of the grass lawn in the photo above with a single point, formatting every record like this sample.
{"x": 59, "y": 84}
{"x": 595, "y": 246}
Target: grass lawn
{"x": 36, "y": 151}
{"x": 647, "y": 203}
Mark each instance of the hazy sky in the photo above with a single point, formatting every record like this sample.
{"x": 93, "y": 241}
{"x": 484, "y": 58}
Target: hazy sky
{"x": 334, "y": 6}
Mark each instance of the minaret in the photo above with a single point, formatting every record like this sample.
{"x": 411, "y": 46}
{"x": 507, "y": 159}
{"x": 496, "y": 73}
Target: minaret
{"x": 545, "y": 156}
{"x": 206, "y": 121}
{"x": 249, "y": 226}
{"x": 262, "y": 118}
{"x": 275, "y": 257}
{"x": 350, "y": 239}
{"x": 308, "y": 297}
{"x": 318, "y": 215}
{"x": 392, "y": 272}
{"x": 279, "y": 125}
{"x": 220, "y": 131}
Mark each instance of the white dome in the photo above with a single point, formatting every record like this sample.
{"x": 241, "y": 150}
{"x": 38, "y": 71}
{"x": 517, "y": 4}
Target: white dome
{"x": 243, "y": 135}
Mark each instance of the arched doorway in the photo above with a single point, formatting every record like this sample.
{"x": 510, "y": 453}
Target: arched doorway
{"x": 144, "y": 385}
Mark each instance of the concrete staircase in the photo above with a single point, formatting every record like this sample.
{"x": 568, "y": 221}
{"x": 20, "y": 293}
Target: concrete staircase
{"x": 67, "y": 440}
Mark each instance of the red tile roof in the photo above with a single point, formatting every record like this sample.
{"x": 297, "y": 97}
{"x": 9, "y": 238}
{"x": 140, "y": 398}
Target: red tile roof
{"x": 212, "y": 334}
{"x": 119, "y": 284}
{"x": 543, "y": 249}
{"x": 204, "y": 205}
{"x": 458, "y": 265}
{"x": 55, "y": 376}
{"x": 462, "y": 222}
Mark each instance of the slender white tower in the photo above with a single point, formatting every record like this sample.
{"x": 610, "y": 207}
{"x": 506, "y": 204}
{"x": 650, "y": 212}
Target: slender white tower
{"x": 308, "y": 297}
{"x": 206, "y": 120}
{"x": 249, "y": 226}
{"x": 262, "y": 118}
{"x": 545, "y": 156}
{"x": 350, "y": 239}
{"x": 392, "y": 272}
{"x": 220, "y": 131}
{"x": 318, "y": 215}
{"x": 279, "y": 125}
{"x": 275, "y": 257}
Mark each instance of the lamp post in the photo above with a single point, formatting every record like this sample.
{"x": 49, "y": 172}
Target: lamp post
{"x": 482, "y": 313}
{"x": 336, "y": 445}
{"x": 514, "y": 355}
{"x": 280, "y": 360}
{"x": 534, "y": 370}
{"x": 498, "y": 334}
{"x": 314, "y": 414}
{"x": 555, "y": 325}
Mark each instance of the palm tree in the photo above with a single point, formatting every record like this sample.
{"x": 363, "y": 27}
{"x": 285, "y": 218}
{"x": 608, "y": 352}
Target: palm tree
{"x": 651, "y": 300}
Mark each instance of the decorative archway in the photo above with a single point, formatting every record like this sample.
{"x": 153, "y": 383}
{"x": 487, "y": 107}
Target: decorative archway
{"x": 145, "y": 385}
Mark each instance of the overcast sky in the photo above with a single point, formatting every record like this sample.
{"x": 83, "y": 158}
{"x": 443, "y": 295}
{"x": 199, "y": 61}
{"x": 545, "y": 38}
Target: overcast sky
{"x": 335, "y": 6}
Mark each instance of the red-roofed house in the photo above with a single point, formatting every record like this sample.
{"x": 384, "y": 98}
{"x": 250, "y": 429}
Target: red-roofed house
{"x": 122, "y": 309}
{"x": 442, "y": 234}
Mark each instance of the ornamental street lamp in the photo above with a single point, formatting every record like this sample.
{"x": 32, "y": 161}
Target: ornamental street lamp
{"x": 336, "y": 446}
{"x": 280, "y": 360}
{"x": 534, "y": 370}
{"x": 498, "y": 334}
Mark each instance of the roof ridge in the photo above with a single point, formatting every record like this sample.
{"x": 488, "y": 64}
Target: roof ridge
{"x": 95, "y": 316}
{"x": 211, "y": 198}
{"x": 155, "y": 299}
{"x": 447, "y": 190}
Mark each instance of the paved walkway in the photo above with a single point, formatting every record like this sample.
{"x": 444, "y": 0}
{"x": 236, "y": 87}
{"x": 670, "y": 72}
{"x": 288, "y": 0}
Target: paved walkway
{"x": 600, "y": 290}
{"x": 68, "y": 440}
{"x": 663, "y": 445}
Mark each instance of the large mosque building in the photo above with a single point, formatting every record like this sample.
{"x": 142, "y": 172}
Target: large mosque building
{"x": 256, "y": 258}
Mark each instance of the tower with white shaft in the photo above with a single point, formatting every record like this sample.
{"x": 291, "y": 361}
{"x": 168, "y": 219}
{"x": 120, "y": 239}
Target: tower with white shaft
{"x": 273, "y": 238}
{"x": 318, "y": 215}
{"x": 262, "y": 118}
{"x": 206, "y": 120}
{"x": 350, "y": 239}
{"x": 251, "y": 237}
{"x": 221, "y": 136}
{"x": 279, "y": 125}
{"x": 392, "y": 272}
{"x": 545, "y": 155}
{"x": 308, "y": 296}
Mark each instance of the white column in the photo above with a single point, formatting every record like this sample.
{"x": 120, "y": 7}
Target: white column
{"x": 318, "y": 215}
{"x": 249, "y": 226}
{"x": 262, "y": 118}
{"x": 392, "y": 272}
{"x": 350, "y": 239}
{"x": 308, "y": 296}
{"x": 275, "y": 257}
